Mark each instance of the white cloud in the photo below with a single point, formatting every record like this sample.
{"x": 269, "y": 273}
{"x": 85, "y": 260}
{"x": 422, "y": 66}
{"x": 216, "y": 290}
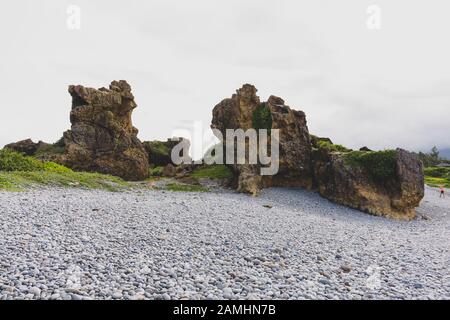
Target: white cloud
{"x": 381, "y": 89}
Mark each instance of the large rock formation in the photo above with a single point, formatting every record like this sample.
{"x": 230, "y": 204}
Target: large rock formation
{"x": 244, "y": 110}
{"x": 385, "y": 183}
{"x": 102, "y": 137}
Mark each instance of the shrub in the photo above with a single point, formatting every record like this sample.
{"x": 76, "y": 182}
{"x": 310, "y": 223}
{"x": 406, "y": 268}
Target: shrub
{"x": 14, "y": 161}
{"x": 262, "y": 118}
{"x": 379, "y": 164}
{"x": 322, "y": 144}
{"x": 156, "y": 171}
{"x": 218, "y": 171}
{"x": 437, "y": 172}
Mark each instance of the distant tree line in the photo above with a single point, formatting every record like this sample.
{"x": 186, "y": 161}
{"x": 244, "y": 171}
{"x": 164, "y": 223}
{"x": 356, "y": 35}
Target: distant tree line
{"x": 432, "y": 158}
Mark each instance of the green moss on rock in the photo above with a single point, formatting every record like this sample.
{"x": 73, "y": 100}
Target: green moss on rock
{"x": 323, "y": 144}
{"x": 378, "y": 164}
{"x": 262, "y": 118}
{"x": 159, "y": 152}
{"x": 219, "y": 171}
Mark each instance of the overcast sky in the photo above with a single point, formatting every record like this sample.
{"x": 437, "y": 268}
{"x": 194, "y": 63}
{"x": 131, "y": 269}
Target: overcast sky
{"x": 381, "y": 88}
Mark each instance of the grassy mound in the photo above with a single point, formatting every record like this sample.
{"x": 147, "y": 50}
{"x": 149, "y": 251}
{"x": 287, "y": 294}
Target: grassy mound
{"x": 437, "y": 182}
{"x": 13, "y": 161}
{"x": 379, "y": 164}
{"x": 436, "y": 177}
{"x": 218, "y": 171}
{"x": 18, "y": 172}
{"x": 322, "y": 144}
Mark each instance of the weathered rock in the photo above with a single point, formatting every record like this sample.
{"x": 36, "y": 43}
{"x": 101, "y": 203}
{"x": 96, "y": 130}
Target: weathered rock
{"x": 102, "y": 137}
{"x": 244, "y": 110}
{"x": 385, "y": 183}
{"x": 27, "y": 147}
{"x": 315, "y": 141}
{"x": 159, "y": 152}
{"x": 295, "y": 146}
{"x": 41, "y": 150}
{"x": 169, "y": 171}
{"x": 364, "y": 149}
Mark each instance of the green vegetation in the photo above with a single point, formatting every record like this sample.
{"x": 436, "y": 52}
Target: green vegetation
{"x": 379, "y": 164}
{"x": 158, "y": 151}
{"x": 178, "y": 187}
{"x": 156, "y": 171}
{"x": 218, "y": 171}
{"x": 437, "y": 172}
{"x": 262, "y": 118}
{"x": 437, "y": 182}
{"x": 432, "y": 158}
{"x": 13, "y": 161}
{"x": 436, "y": 176}
{"x": 322, "y": 144}
{"x": 48, "y": 150}
{"x": 20, "y": 180}
{"x": 18, "y": 172}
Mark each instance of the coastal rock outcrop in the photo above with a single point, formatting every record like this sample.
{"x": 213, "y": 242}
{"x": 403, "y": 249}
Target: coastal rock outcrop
{"x": 244, "y": 110}
{"x": 102, "y": 137}
{"x": 384, "y": 183}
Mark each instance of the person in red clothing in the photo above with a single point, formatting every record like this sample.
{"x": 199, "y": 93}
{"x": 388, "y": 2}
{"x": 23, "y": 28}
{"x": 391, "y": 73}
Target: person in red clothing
{"x": 442, "y": 193}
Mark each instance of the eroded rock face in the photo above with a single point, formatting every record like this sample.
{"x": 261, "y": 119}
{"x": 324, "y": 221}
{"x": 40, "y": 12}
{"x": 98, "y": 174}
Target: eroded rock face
{"x": 244, "y": 110}
{"x": 352, "y": 185}
{"x": 27, "y": 147}
{"x": 102, "y": 137}
{"x": 295, "y": 146}
{"x": 40, "y": 150}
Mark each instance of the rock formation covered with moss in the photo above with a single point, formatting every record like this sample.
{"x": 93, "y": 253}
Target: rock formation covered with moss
{"x": 386, "y": 183}
{"x": 244, "y": 110}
